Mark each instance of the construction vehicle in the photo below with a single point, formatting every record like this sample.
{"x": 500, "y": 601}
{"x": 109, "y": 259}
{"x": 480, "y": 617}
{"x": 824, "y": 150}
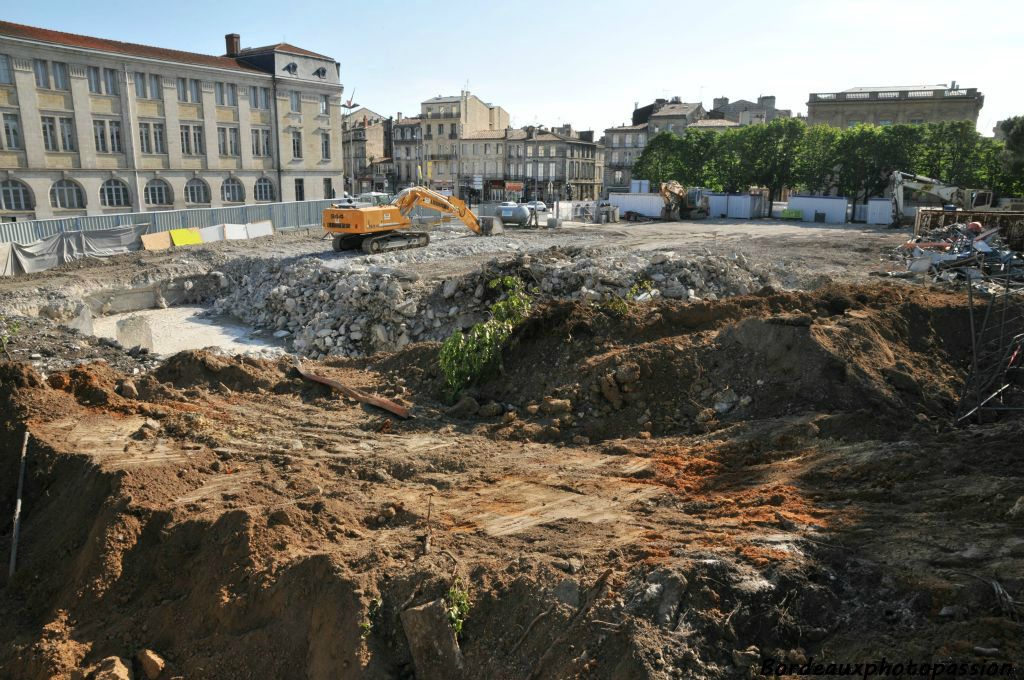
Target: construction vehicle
{"x": 378, "y": 228}
{"x": 973, "y": 200}
{"x": 680, "y": 204}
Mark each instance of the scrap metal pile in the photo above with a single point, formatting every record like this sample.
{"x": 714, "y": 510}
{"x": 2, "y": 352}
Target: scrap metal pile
{"x": 964, "y": 252}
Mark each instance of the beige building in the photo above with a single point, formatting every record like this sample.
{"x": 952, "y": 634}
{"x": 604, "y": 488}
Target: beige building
{"x": 559, "y": 164}
{"x": 366, "y": 138}
{"x": 443, "y": 121}
{"x": 407, "y": 140}
{"x": 912, "y": 104}
{"x": 622, "y": 147}
{"x": 482, "y": 159}
{"x": 675, "y": 117}
{"x": 746, "y": 112}
{"x": 95, "y": 126}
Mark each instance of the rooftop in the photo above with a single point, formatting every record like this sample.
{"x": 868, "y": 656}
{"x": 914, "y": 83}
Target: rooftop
{"x": 283, "y": 47}
{"x": 713, "y": 122}
{"x": 45, "y": 35}
{"x": 897, "y": 88}
{"x": 680, "y": 109}
{"x": 627, "y": 128}
{"x": 485, "y": 134}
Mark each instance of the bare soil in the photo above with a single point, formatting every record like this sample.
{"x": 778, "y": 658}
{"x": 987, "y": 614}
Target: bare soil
{"x": 611, "y": 519}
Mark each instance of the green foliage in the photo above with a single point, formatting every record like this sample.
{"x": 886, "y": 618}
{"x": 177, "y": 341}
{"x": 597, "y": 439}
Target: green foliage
{"x": 619, "y": 306}
{"x": 817, "y": 159}
{"x": 466, "y": 358}
{"x": 660, "y": 160}
{"x": 366, "y": 625}
{"x": 458, "y": 604}
{"x": 7, "y": 329}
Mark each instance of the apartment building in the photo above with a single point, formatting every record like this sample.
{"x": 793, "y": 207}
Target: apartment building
{"x": 407, "y": 139}
{"x": 367, "y": 140}
{"x": 746, "y": 112}
{"x": 482, "y": 159}
{"x": 95, "y": 126}
{"x": 550, "y": 165}
{"x": 443, "y": 121}
{"x": 622, "y": 147}
{"x": 912, "y": 104}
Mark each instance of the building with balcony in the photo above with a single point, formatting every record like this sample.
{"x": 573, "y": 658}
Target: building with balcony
{"x": 912, "y": 104}
{"x": 94, "y": 126}
{"x": 407, "y": 139}
{"x": 367, "y": 139}
{"x": 443, "y": 121}
{"x": 550, "y": 165}
{"x": 622, "y": 147}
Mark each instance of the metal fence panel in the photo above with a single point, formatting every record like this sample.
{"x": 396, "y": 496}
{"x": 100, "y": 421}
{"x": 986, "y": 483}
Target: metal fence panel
{"x": 282, "y": 215}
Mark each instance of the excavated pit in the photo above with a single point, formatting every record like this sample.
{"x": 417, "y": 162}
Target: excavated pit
{"x": 625, "y": 512}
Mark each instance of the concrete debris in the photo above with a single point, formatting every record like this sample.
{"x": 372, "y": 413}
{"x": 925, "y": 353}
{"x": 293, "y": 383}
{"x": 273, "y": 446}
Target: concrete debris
{"x": 962, "y": 252}
{"x": 152, "y": 663}
{"x": 359, "y": 307}
{"x": 435, "y": 651}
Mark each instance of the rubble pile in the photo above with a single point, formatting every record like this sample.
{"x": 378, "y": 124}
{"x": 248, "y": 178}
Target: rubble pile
{"x": 364, "y": 307}
{"x": 961, "y": 252}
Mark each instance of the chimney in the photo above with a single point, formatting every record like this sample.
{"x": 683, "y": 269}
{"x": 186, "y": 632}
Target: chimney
{"x": 399, "y": 116}
{"x": 232, "y": 43}
{"x": 719, "y": 102}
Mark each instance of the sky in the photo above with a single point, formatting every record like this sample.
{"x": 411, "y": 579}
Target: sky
{"x": 587, "y": 62}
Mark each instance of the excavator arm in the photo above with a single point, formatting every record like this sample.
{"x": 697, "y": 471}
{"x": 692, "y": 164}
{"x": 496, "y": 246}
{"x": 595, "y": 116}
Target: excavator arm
{"x": 414, "y": 197}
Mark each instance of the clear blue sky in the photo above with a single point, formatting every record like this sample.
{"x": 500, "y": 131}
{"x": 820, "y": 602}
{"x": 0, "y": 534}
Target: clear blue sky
{"x": 586, "y": 62}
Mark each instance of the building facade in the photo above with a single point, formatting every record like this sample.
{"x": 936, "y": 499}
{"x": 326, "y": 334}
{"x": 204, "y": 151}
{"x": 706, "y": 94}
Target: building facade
{"x": 367, "y": 140}
{"x": 746, "y": 112}
{"x": 622, "y": 147}
{"x": 407, "y": 139}
{"x": 552, "y": 165}
{"x": 443, "y": 121}
{"x": 94, "y": 126}
{"x": 911, "y": 104}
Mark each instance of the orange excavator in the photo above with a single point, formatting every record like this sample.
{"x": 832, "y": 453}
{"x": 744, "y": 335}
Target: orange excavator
{"x": 378, "y": 228}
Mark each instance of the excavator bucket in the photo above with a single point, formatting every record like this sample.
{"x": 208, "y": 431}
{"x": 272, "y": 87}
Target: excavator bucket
{"x": 489, "y": 226}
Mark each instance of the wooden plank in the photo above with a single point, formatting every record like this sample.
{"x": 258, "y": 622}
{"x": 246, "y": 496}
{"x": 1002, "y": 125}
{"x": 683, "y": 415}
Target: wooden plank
{"x": 358, "y": 395}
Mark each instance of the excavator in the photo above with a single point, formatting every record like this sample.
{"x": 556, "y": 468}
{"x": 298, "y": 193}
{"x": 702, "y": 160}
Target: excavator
{"x": 678, "y": 204}
{"x": 379, "y": 228}
{"x": 977, "y": 200}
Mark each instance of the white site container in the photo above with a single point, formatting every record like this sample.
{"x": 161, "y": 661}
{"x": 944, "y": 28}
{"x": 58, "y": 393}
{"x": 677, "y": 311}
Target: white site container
{"x": 735, "y": 206}
{"x": 879, "y": 211}
{"x": 648, "y": 205}
{"x": 833, "y": 207}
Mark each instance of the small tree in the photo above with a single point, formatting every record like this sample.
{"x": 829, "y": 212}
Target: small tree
{"x": 660, "y": 160}
{"x": 817, "y": 160}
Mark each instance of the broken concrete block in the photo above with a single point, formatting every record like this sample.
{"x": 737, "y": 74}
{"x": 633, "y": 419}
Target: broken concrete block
{"x": 82, "y": 321}
{"x": 152, "y": 664}
{"x": 112, "y": 668}
{"x": 552, "y": 406}
{"x": 135, "y": 331}
{"x": 610, "y": 390}
{"x": 466, "y": 407}
{"x": 432, "y": 643}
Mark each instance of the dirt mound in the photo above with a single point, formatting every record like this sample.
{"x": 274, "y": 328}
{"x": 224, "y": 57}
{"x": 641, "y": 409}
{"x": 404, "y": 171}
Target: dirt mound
{"x": 877, "y": 359}
{"x": 200, "y": 367}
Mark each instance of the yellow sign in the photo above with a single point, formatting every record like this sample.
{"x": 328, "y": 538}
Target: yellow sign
{"x": 186, "y": 237}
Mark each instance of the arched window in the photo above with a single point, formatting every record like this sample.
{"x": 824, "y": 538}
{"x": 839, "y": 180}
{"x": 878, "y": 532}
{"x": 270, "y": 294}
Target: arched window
{"x": 67, "y": 194}
{"x": 157, "y": 192}
{"x": 15, "y": 195}
{"x": 264, "y": 190}
{"x": 231, "y": 191}
{"x": 197, "y": 191}
{"x": 114, "y": 194}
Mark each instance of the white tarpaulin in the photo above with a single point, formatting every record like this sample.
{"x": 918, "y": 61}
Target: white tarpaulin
{"x": 257, "y": 229}
{"x": 53, "y": 251}
{"x": 212, "y": 234}
{"x": 235, "y": 232}
{"x": 6, "y": 260}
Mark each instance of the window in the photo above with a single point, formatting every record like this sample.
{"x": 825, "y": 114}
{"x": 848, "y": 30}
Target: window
{"x": 325, "y": 146}
{"x": 114, "y": 194}
{"x": 325, "y": 105}
{"x": 42, "y": 73}
{"x": 157, "y": 192}
{"x": 12, "y": 131}
{"x": 195, "y": 91}
{"x": 115, "y": 136}
{"x": 145, "y": 137}
{"x": 99, "y": 134}
{"x": 551, "y": 169}
{"x": 852, "y": 123}
{"x": 14, "y": 195}
{"x": 259, "y": 97}
{"x": 197, "y": 191}
{"x": 296, "y": 101}
{"x": 198, "y": 141}
{"x": 261, "y": 142}
{"x": 66, "y": 194}
{"x": 95, "y": 84}
{"x": 885, "y": 121}
{"x": 159, "y": 138}
{"x": 264, "y": 190}
{"x": 6, "y": 78}
{"x": 60, "y": 76}
{"x": 226, "y": 94}
{"x": 300, "y": 190}
{"x": 50, "y": 133}
{"x": 296, "y": 145}
{"x": 440, "y": 128}
{"x": 529, "y": 152}
{"x": 227, "y": 141}
{"x": 192, "y": 140}
{"x": 156, "y": 88}
{"x": 328, "y": 188}
{"x": 141, "y": 86}
{"x": 182, "y": 90}
{"x": 186, "y": 140}
{"x": 110, "y": 82}
{"x": 231, "y": 191}
{"x": 917, "y": 121}
{"x": 67, "y": 133}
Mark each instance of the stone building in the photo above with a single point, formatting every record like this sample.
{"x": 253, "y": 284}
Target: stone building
{"x": 367, "y": 142}
{"x": 746, "y": 112}
{"x": 550, "y": 165}
{"x": 622, "y": 147}
{"x": 443, "y": 121}
{"x": 407, "y": 140}
{"x": 913, "y": 104}
{"x": 94, "y": 126}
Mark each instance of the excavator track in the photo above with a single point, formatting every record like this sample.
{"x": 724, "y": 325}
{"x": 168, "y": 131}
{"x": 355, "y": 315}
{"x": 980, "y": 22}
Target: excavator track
{"x": 395, "y": 241}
